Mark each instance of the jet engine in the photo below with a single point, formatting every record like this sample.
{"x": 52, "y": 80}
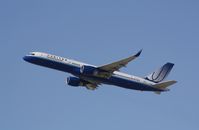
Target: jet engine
{"x": 88, "y": 70}
{"x": 75, "y": 82}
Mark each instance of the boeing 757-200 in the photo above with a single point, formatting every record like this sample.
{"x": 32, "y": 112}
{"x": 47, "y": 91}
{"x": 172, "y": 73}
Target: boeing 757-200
{"x": 91, "y": 76}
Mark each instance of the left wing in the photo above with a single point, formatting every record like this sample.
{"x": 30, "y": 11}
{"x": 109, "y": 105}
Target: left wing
{"x": 115, "y": 66}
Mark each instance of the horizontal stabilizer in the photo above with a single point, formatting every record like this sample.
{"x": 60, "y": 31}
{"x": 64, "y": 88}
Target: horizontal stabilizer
{"x": 164, "y": 85}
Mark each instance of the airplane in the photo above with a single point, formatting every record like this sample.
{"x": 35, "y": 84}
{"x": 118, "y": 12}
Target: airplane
{"x": 91, "y": 76}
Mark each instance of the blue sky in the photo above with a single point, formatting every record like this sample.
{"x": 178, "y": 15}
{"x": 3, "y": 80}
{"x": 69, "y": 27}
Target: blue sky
{"x": 98, "y": 32}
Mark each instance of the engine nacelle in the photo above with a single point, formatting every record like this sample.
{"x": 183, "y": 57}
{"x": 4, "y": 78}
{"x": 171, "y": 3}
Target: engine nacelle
{"x": 88, "y": 70}
{"x": 73, "y": 81}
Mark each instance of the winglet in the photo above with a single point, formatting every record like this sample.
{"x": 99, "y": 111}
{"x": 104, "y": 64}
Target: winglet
{"x": 138, "y": 54}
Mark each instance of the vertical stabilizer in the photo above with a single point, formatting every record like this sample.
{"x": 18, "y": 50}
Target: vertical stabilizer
{"x": 160, "y": 74}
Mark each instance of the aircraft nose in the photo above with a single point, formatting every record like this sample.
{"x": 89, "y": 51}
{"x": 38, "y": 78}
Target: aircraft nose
{"x": 26, "y": 58}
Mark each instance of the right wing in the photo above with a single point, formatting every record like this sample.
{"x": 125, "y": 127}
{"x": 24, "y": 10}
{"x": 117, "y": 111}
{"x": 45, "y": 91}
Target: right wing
{"x": 90, "y": 84}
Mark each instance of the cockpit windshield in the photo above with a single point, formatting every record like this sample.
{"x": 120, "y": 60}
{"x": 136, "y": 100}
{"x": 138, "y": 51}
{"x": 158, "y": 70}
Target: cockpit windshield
{"x": 32, "y": 53}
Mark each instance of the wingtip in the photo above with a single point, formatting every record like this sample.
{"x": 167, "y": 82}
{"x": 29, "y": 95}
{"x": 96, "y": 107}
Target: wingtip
{"x": 175, "y": 82}
{"x": 138, "y": 54}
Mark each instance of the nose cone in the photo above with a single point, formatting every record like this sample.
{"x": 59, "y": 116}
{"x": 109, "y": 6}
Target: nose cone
{"x": 26, "y": 58}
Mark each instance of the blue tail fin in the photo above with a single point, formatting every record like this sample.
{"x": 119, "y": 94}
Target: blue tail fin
{"x": 160, "y": 74}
